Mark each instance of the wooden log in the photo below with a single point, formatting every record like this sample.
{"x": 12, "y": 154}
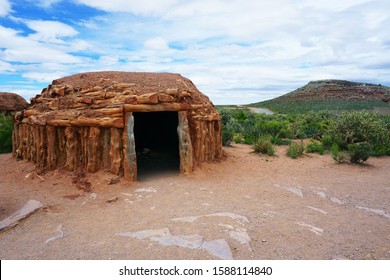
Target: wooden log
{"x": 122, "y": 86}
{"x": 218, "y": 137}
{"x": 37, "y": 120}
{"x": 28, "y": 113}
{"x": 100, "y": 122}
{"x": 207, "y": 118}
{"x": 54, "y": 104}
{"x": 43, "y": 100}
{"x": 212, "y": 141}
{"x": 92, "y": 89}
{"x": 51, "y": 148}
{"x": 129, "y": 153}
{"x": 156, "y": 108}
{"x": 71, "y": 149}
{"x": 162, "y": 97}
{"x": 99, "y": 104}
{"x": 35, "y": 143}
{"x": 84, "y": 142}
{"x": 61, "y": 148}
{"x": 93, "y": 149}
{"x": 105, "y": 146}
{"x": 97, "y": 95}
{"x": 41, "y": 148}
{"x": 148, "y": 98}
{"x": 19, "y": 152}
{"x": 199, "y": 106}
{"x": 185, "y": 94}
{"x": 185, "y": 144}
{"x": 172, "y": 91}
{"x": 115, "y": 151}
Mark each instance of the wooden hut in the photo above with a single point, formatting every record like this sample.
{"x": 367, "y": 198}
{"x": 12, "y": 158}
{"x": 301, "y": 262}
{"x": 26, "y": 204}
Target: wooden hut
{"x": 11, "y": 102}
{"x": 106, "y": 120}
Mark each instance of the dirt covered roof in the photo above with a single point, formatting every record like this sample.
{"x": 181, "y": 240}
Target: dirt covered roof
{"x": 98, "y": 98}
{"x": 12, "y": 102}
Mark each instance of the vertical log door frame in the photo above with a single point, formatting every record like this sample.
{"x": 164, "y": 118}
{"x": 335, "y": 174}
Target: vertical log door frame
{"x": 183, "y": 131}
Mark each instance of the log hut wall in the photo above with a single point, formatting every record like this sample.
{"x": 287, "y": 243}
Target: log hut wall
{"x": 92, "y": 128}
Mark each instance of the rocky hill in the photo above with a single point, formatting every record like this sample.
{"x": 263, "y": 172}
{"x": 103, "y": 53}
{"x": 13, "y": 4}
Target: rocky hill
{"x": 325, "y": 90}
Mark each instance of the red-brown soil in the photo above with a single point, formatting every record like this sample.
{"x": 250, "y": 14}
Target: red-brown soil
{"x": 262, "y": 207}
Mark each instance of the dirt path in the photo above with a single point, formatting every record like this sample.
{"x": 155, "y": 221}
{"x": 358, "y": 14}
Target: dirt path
{"x": 246, "y": 207}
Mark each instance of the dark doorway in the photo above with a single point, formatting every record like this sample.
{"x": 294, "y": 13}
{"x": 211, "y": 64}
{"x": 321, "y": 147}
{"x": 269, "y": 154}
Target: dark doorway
{"x": 156, "y": 143}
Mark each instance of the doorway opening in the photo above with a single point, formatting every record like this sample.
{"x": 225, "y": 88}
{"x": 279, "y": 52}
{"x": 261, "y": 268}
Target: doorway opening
{"x": 156, "y": 144}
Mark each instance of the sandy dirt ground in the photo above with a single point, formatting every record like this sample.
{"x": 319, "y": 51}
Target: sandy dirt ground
{"x": 244, "y": 207}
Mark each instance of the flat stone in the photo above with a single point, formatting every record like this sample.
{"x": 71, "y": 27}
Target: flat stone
{"x": 59, "y": 235}
{"x": 241, "y": 236}
{"x": 219, "y": 248}
{"x": 147, "y": 190}
{"x": 316, "y": 230}
{"x": 146, "y": 233}
{"x": 376, "y": 211}
{"x": 28, "y": 209}
{"x": 190, "y": 219}
{"x": 193, "y": 241}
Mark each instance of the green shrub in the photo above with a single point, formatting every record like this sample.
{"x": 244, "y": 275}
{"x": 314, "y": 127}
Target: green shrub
{"x": 238, "y": 138}
{"x": 295, "y": 149}
{"x": 361, "y": 127}
{"x": 279, "y": 141}
{"x": 6, "y": 127}
{"x": 359, "y": 152}
{"x": 227, "y": 136}
{"x": 337, "y": 154}
{"x": 315, "y": 146}
{"x": 263, "y": 145}
{"x": 326, "y": 141}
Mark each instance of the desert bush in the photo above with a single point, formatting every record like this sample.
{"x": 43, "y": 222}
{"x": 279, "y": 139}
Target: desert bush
{"x": 295, "y": 149}
{"x": 238, "y": 138}
{"x": 359, "y": 152}
{"x": 361, "y": 127}
{"x": 6, "y": 127}
{"x": 227, "y": 127}
{"x": 326, "y": 141}
{"x": 337, "y": 154}
{"x": 315, "y": 146}
{"x": 263, "y": 145}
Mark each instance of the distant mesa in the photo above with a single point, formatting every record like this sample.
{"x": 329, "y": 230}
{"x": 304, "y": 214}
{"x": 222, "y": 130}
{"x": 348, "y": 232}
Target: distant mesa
{"x": 324, "y": 90}
{"x": 11, "y": 102}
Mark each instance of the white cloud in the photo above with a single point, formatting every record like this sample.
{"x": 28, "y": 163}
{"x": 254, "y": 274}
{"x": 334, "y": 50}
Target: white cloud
{"x": 235, "y": 51}
{"x": 27, "y": 50}
{"x": 50, "y": 31}
{"x": 156, "y": 43}
{"x": 150, "y": 7}
{"x": 5, "y": 7}
{"x": 44, "y": 77}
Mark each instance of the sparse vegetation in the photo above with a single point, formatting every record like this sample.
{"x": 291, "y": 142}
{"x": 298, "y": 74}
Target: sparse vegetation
{"x": 337, "y": 154}
{"x": 349, "y": 136}
{"x": 263, "y": 145}
{"x": 295, "y": 149}
{"x": 315, "y": 146}
{"x": 6, "y": 127}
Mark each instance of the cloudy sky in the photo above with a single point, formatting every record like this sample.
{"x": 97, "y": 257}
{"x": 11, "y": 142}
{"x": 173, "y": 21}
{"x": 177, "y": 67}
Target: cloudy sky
{"x": 235, "y": 51}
